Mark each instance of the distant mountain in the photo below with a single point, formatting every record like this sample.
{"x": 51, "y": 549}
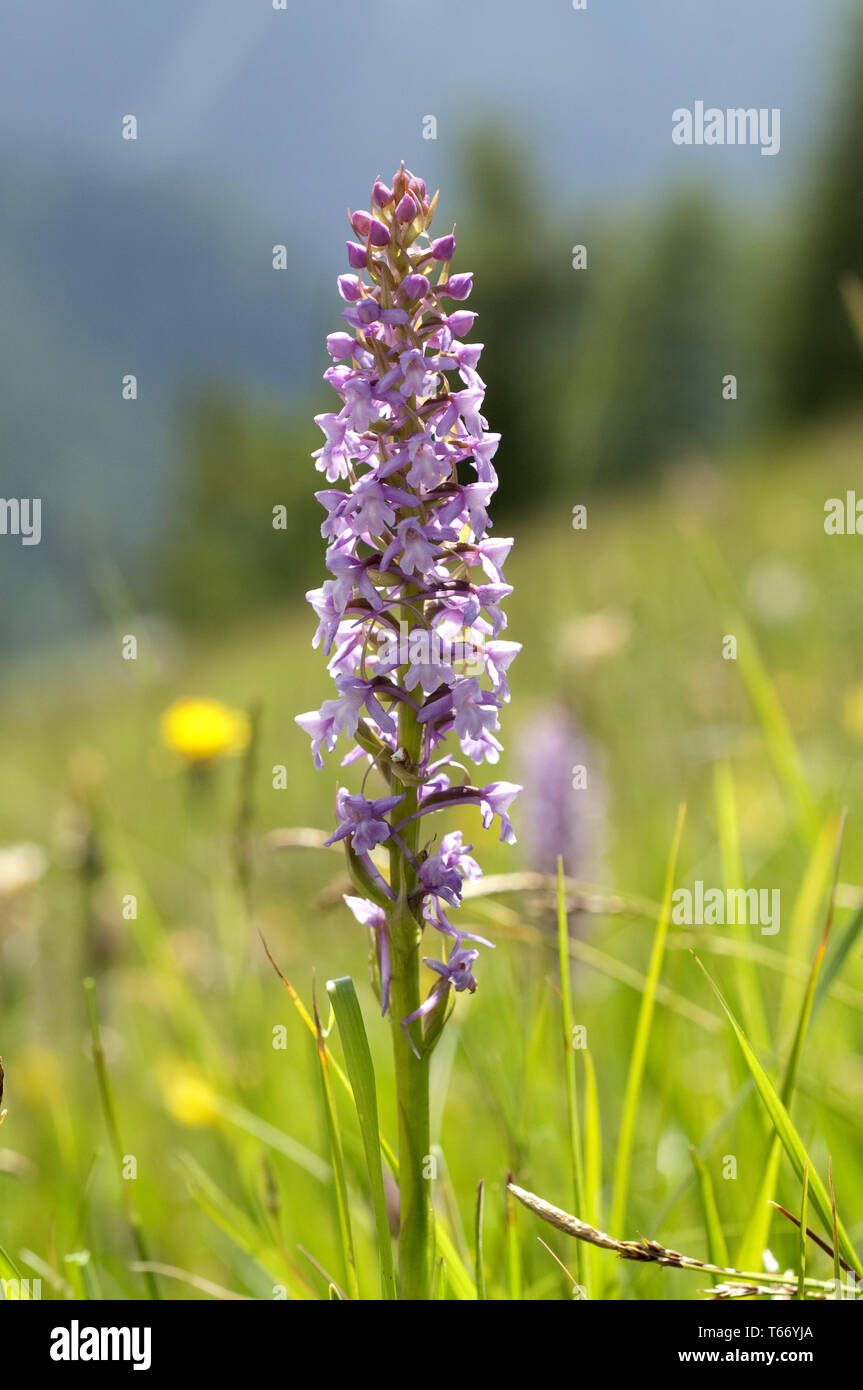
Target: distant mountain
{"x": 98, "y": 279}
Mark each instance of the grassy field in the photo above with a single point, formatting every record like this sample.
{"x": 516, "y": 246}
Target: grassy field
{"x": 622, "y": 623}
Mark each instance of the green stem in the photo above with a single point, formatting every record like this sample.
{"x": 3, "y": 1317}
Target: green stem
{"x": 416, "y": 1228}
{"x": 114, "y": 1136}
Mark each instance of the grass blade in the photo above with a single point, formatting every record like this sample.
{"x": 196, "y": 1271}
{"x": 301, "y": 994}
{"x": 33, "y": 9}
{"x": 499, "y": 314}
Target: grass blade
{"x": 716, "y": 1247}
{"x": 757, "y": 1232}
{"x": 838, "y": 956}
{"x": 790, "y": 1139}
{"x": 801, "y": 1278}
{"x": 515, "y": 1281}
{"x": 748, "y": 983}
{"x": 642, "y": 1038}
{"x": 813, "y": 892}
{"x": 836, "y": 1274}
{"x": 358, "y": 1060}
{"x": 338, "y": 1162}
{"x": 480, "y": 1258}
{"x": 592, "y": 1169}
{"x": 569, "y": 1044}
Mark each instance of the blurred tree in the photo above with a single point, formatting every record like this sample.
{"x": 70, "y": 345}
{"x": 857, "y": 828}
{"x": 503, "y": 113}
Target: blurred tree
{"x": 528, "y": 299}
{"x": 224, "y": 556}
{"x": 819, "y": 358}
{"x": 662, "y": 328}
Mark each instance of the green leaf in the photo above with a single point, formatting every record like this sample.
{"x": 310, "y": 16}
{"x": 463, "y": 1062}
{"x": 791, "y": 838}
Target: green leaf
{"x": 790, "y": 1139}
{"x": 358, "y": 1060}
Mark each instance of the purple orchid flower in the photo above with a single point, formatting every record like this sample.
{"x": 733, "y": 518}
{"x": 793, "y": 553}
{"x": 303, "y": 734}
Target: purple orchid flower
{"x": 410, "y": 616}
{"x": 362, "y": 820}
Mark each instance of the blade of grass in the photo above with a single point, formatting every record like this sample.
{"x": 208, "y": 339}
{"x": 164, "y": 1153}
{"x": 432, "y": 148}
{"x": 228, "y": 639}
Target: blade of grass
{"x": 757, "y": 1232}
{"x": 514, "y": 1277}
{"x": 838, "y": 956}
{"x": 8, "y": 1267}
{"x": 577, "y": 1290}
{"x": 229, "y": 1218}
{"x": 569, "y": 1046}
{"x": 838, "y": 1262}
{"x": 480, "y": 1257}
{"x": 338, "y": 1162}
{"x": 801, "y": 1278}
{"x": 358, "y": 1060}
{"x": 815, "y": 886}
{"x": 642, "y": 1038}
{"x": 592, "y": 1169}
{"x": 791, "y": 1141}
{"x": 836, "y": 1258}
{"x": 748, "y": 983}
{"x": 716, "y": 1247}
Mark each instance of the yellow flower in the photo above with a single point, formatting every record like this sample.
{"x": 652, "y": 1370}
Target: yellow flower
{"x": 204, "y": 729}
{"x": 187, "y": 1096}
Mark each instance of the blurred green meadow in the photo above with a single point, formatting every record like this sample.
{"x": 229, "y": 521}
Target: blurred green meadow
{"x": 214, "y": 1074}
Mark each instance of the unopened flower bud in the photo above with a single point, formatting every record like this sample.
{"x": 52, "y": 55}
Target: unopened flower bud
{"x": 458, "y": 286}
{"x": 461, "y": 322}
{"x": 407, "y": 209}
{"x": 357, "y": 255}
{"x": 349, "y": 288}
{"x": 340, "y": 345}
{"x": 381, "y": 194}
{"x": 415, "y": 286}
{"x": 378, "y": 233}
{"x": 444, "y": 248}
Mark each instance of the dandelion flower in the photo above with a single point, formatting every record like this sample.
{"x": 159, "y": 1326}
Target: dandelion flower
{"x": 201, "y": 730}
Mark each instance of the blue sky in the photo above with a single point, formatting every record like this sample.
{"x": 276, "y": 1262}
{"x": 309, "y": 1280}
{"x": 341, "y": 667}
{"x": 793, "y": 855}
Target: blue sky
{"x": 318, "y": 98}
